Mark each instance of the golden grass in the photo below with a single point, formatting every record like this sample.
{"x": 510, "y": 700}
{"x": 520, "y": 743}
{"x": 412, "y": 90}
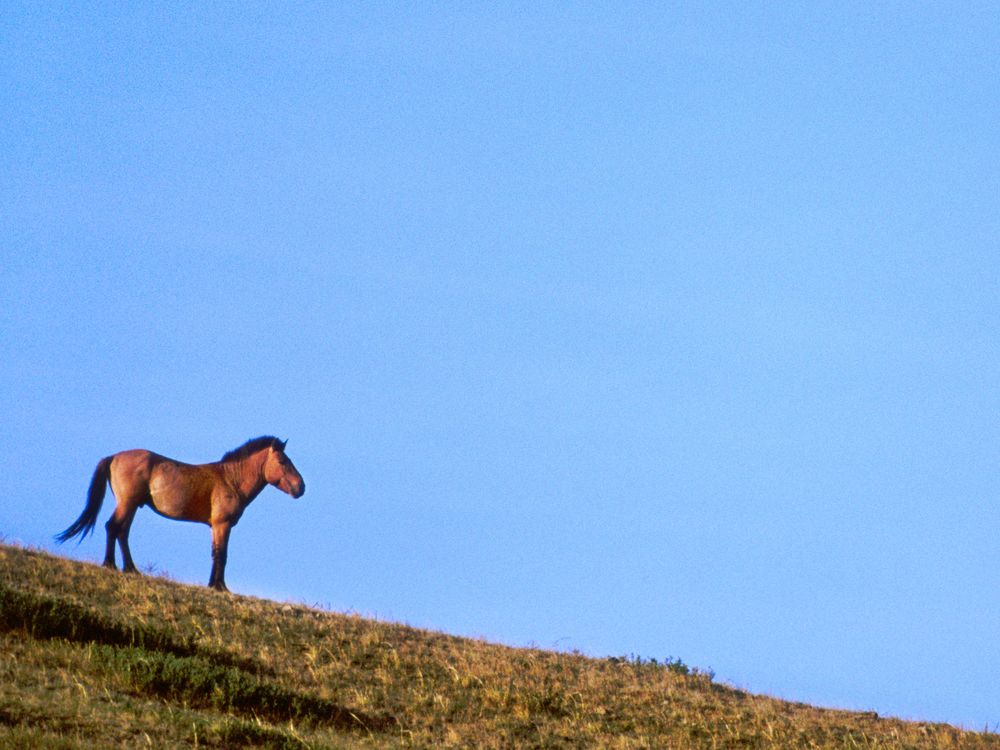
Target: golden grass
{"x": 146, "y": 662}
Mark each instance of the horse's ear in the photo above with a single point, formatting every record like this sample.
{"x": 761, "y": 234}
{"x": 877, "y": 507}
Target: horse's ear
{"x": 283, "y": 444}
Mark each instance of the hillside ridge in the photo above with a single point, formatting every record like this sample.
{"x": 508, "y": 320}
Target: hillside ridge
{"x": 96, "y": 658}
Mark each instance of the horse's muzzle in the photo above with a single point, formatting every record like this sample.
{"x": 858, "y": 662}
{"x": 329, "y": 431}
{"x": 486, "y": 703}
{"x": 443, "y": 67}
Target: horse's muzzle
{"x": 300, "y": 491}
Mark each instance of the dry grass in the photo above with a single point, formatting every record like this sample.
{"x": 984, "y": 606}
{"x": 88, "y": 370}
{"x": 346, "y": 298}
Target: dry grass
{"x": 94, "y": 658}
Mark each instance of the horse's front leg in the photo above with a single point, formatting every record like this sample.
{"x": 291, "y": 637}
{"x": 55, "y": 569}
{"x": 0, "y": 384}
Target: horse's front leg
{"x": 220, "y": 545}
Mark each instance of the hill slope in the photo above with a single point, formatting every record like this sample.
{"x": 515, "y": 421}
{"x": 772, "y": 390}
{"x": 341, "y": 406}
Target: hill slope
{"x": 93, "y": 658}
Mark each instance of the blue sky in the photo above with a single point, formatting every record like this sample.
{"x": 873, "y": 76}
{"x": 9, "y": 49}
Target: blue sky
{"x": 627, "y": 328}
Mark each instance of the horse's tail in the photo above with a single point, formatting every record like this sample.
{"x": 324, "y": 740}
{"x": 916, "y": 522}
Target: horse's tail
{"x": 95, "y": 497}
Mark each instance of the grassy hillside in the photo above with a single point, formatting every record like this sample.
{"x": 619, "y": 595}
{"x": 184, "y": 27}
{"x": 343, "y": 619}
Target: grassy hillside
{"x": 93, "y": 658}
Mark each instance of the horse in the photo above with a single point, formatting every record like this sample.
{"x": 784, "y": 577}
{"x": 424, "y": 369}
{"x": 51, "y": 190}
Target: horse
{"x": 215, "y": 494}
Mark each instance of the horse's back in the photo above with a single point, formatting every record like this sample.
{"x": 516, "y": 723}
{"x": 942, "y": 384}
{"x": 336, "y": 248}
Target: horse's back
{"x": 142, "y": 476}
{"x": 172, "y": 488}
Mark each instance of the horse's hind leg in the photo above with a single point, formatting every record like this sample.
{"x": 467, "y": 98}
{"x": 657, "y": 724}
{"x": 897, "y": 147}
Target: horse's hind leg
{"x": 118, "y": 527}
{"x": 127, "y": 565}
{"x": 109, "y": 552}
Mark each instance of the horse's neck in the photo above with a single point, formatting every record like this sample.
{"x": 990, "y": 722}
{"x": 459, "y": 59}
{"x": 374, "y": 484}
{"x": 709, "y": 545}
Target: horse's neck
{"x": 247, "y": 475}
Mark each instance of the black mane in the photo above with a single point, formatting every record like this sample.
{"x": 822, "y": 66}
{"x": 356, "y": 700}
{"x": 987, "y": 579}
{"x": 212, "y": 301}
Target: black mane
{"x": 252, "y": 446}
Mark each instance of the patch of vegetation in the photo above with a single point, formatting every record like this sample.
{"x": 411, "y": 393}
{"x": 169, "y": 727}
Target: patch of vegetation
{"x": 16, "y": 731}
{"x": 50, "y": 617}
{"x": 54, "y": 617}
{"x": 150, "y": 661}
{"x": 196, "y": 682}
{"x": 671, "y": 664}
{"x": 231, "y": 732}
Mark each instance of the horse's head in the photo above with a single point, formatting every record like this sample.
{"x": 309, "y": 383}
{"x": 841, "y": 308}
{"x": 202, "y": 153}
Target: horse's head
{"x": 281, "y": 472}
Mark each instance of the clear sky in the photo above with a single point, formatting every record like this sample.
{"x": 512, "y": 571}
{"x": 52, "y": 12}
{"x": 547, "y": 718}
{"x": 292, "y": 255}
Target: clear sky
{"x": 653, "y": 329}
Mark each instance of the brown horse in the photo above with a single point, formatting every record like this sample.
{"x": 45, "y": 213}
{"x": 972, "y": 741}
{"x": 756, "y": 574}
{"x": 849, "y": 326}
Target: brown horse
{"x": 216, "y": 494}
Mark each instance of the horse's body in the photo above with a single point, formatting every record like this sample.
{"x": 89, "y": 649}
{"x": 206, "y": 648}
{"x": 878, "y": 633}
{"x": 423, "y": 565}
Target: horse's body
{"x": 215, "y": 494}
